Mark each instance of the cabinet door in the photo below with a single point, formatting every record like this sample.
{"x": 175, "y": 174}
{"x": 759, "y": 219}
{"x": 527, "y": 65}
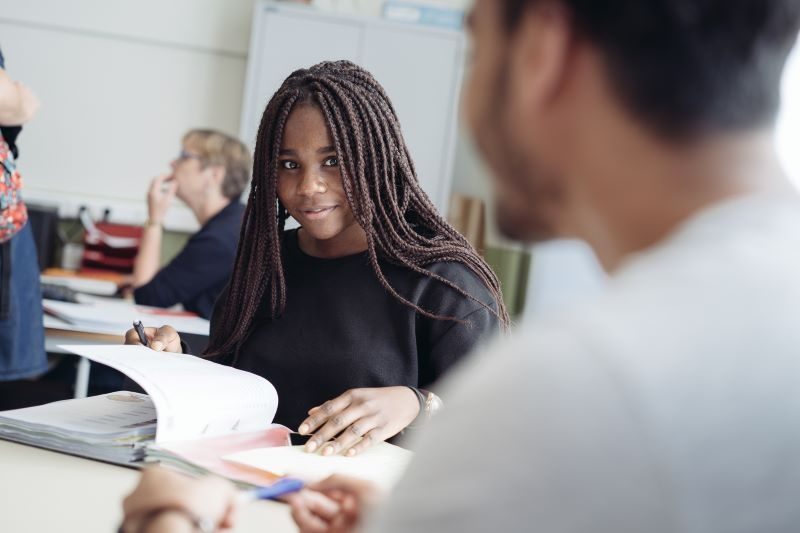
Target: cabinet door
{"x": 420, "y": 70}
{"x": 284, "y": 41}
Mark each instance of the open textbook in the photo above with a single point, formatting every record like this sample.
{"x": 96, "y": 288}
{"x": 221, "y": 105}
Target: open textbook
{"x": 187, "y": 398}
{"x": 197, "y": 416}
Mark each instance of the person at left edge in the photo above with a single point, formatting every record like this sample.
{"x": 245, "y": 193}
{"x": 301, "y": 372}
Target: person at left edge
{"x": 209, "y": 175}
{"x": 22, "y": 353}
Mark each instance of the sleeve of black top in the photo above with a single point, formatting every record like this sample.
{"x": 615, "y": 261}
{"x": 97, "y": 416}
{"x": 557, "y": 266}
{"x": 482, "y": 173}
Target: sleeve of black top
{"x": 452, "y": 341}
{"x": 185, "y": 348}
{"x": 445, "y": 342}
{"x": 216, "y": 315}
{"x": 197, "y": 267}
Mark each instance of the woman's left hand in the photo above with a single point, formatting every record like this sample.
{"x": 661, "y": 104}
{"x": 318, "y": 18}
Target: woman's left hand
{"x": 361, "y": 417}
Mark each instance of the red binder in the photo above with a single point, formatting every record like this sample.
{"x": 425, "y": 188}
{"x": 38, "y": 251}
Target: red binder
{"x": 110, "y": 247}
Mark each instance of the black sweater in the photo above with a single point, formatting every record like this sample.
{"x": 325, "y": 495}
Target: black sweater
{"x": 341, "y": 329}
{"x": 197, "y": 275}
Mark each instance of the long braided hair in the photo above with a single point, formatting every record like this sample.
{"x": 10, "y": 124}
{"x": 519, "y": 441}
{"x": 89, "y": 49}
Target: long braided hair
{"x": 380, "y": 183}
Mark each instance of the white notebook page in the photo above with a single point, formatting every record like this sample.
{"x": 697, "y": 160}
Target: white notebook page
{"x": 193, "y": 397}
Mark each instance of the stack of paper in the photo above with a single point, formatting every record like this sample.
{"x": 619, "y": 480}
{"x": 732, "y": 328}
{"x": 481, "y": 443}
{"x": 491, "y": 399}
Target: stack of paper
{"x": 113, "y": 427}
{"x": 99, "y": 287}
{"x": 115, "y": 317}
{"x": 188, "y": 398}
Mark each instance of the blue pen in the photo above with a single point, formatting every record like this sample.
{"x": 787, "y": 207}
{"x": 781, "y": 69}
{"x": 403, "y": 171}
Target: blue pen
{"x": 283, "y": 486}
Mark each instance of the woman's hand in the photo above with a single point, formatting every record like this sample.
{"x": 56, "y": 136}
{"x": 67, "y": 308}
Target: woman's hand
{"x": 163, "y": 339}
{"x": 28, "y": 103}
{"x": 17, "y": 103}
{"x": 361, "y": 417}
{"x": 159, "y": 197}
{"x": 333, "y": 505}
{"x": 209, "y": 497}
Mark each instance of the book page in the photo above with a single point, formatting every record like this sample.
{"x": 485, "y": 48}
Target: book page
{"x": 383, "y": 463}
{"x": 193, "y": 397}
{"x": 205, "y": 455}
{"x": 105, "y": 415}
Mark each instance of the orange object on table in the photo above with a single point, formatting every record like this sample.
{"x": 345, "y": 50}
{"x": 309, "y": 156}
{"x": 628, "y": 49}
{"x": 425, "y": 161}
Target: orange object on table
{"x": 104, "y": 275}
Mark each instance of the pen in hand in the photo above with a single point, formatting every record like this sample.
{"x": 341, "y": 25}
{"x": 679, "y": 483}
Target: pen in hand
{"x": 270, "y": 492}
{"x": 140, "y": 331}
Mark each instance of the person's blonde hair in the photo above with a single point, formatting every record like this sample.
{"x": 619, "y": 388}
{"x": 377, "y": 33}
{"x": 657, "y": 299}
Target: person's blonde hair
{"x": 217, "y": 148}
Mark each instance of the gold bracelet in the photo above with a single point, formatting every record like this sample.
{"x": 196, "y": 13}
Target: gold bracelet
{"x": 149, "y": 223}
{"x": 429, "y": 405}
{"x": 433, "y": 404}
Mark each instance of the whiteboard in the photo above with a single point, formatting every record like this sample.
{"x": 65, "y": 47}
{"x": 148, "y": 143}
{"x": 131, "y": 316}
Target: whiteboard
{"x": 419, "y": 67}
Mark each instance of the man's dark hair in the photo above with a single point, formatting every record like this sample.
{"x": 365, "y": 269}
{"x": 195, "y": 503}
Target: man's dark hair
{"x": 688, "y": 67}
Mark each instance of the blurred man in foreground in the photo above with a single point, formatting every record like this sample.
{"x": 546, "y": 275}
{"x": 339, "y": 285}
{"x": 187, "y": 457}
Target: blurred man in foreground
{"x": 671, "y": 402}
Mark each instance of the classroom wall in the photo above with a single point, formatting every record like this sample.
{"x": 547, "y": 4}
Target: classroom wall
{"x": 120, "y": 82}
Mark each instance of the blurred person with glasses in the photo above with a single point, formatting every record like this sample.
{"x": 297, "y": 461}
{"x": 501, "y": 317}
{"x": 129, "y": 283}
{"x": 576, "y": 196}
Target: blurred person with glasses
{"x": 209, "y": 175}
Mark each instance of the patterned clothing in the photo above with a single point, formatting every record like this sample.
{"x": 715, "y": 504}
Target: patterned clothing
{"x": 13, "y": 214}
{"x": 22, "y": 353}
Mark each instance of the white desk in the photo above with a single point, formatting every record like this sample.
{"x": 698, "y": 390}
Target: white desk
{"x": 48, "y": 491}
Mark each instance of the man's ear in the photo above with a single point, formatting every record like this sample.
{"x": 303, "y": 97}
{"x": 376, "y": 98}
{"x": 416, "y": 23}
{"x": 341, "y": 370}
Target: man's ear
{"x": 540, "y": 53}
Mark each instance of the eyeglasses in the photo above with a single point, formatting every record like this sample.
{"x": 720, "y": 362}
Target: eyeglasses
{"x": 184, "y": 155}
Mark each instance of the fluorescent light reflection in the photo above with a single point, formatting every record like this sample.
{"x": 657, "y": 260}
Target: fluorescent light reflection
{"x": 788, "y": 126}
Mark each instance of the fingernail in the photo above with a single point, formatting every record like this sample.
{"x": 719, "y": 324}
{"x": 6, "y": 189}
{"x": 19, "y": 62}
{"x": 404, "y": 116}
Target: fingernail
{"x": 351, "y": 452}
{"x": 303, "y": 429}
{"x": 311, "y": 446}
{"x": 327, "y": 450}
{"x": 157, "y": 345}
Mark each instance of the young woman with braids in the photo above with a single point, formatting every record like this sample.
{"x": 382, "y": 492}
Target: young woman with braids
{"x": 374, "y": 295}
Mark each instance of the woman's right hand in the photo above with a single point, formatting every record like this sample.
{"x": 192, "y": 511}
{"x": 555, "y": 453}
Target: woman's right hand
{"x": 17, "y": 103}
{"x": 28, "y": 102}
{"x": 163, "y": 339}
{"x": 159, "y": 197}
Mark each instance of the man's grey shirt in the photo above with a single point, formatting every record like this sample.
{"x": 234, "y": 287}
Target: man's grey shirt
{"x": 670, "y": 403}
